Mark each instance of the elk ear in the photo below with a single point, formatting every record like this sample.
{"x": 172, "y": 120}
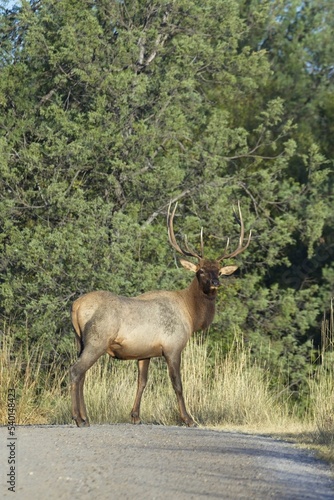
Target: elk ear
{"x": 227, "y": 270}
{"x": 188, "y": 265}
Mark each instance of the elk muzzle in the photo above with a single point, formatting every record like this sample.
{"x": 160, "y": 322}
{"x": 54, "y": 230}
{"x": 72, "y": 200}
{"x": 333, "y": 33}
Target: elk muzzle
{"x": 214, "y": 284}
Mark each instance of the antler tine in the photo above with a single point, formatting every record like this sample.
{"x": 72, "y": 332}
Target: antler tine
{"x": 238, "y": 219}
{"x": 241, "y": 223}
{"x": 202, "y": 244}
{"x": 188, "y": 252}
{"x": 227, "y": 244}
{"x": 171, "y": 236}
{"x": 241, "y": 238}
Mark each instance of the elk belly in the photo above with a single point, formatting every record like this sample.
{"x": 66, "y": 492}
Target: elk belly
{"x": 131, "y": 350}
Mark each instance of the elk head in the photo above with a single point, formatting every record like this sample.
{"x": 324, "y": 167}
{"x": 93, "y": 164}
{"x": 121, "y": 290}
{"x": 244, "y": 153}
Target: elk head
{"x": 207, "y": 271}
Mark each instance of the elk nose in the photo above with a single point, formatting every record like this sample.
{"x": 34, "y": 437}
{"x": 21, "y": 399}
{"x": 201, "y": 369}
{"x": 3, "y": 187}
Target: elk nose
{"x": 215, "y": 283}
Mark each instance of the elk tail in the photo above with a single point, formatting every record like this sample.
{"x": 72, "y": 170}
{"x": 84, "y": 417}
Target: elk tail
{"x": 78, "y": 333}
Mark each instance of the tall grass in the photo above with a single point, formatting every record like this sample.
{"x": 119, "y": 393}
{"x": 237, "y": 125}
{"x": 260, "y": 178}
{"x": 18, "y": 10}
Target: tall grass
{"x": 37, "y": 387}
{"x": 322, "y": 388}
{"x": 322, "y": 397}
{"x": 219, "y": 389}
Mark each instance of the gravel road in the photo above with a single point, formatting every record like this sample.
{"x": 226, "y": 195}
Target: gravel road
{"x": 155, "y": 462}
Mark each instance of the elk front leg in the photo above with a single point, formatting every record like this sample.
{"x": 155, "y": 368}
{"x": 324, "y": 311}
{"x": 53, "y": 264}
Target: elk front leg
{"x": 174, "y": 362}
{"x": 143, "y": 365}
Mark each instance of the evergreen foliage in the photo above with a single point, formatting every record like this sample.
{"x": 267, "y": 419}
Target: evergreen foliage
{"x": 110, "y": 109}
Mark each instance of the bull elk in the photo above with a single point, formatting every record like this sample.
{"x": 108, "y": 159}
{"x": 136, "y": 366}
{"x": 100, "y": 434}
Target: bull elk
{"x": 151, "y": 325}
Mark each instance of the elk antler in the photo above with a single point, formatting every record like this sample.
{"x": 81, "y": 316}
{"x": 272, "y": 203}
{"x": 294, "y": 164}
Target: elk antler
{"x": 241, "y": 239}
{"x": 188, "y": 252}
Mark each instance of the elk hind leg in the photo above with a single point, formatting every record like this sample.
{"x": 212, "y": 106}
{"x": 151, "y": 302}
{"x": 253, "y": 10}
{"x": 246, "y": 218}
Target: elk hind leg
{"x": 82, "y": 405}
{"x": 174, "y": 363}
{"x": 143, "y": 365}
{"x": 77, "y": 373}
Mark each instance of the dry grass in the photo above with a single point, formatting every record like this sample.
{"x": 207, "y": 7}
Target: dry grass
{"x": 229, "y": 391}
{"x": 322, "y": 390}
{"x": 322, "y": 410}
{"x": 37, "y": 388}
{"x": 220, "y": 390}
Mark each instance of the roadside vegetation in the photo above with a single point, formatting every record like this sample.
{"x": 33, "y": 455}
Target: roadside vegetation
{"x": 223, "y": 390}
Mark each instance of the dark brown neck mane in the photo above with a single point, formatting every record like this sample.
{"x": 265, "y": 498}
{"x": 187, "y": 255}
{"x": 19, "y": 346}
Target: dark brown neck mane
{"x": 201, "y": 306}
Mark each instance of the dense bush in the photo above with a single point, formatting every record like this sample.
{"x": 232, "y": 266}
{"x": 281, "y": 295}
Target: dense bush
{"x": 109, "y": 110}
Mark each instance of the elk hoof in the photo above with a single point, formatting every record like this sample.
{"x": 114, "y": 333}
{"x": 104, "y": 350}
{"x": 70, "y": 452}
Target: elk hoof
{"x": 85, "y": 423}
{"x": 190, "y": 422}
{"x": 81, "y": 423}
{"x": 135, "y": 419}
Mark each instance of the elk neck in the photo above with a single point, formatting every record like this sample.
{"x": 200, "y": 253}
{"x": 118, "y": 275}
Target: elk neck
{"x": 201, "y": 306}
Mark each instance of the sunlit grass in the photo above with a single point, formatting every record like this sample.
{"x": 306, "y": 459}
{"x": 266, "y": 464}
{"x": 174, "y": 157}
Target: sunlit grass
{"x": 38, "y": 388}
{"x": 225, "y": 391}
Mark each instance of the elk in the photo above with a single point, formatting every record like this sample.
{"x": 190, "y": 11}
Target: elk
{"x": 154, "y": 324}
